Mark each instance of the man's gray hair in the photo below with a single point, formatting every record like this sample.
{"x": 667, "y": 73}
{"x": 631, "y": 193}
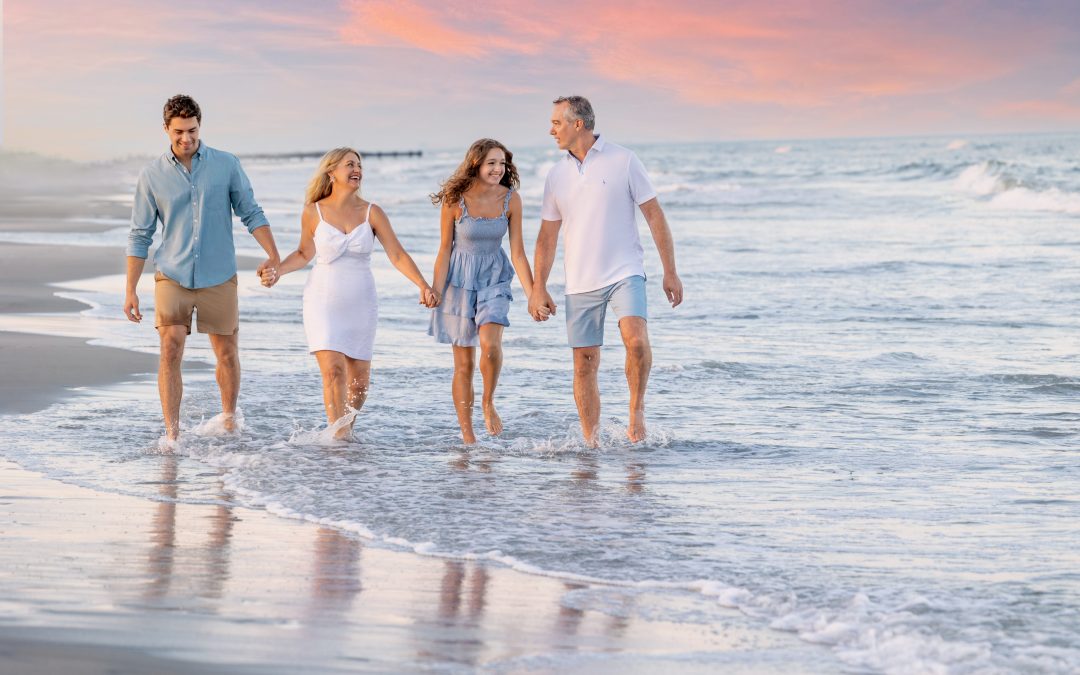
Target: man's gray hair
{"x": 578, "y": 108}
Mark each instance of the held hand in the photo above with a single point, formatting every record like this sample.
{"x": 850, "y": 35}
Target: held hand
{"x": 269, "y": 263}
{"x": 269, "y": 276}
{"x": 131, "y": 307}
{"x": 673, "y": 289}
{"x": 541, "y": 306}
{"x": 428, "y": 297}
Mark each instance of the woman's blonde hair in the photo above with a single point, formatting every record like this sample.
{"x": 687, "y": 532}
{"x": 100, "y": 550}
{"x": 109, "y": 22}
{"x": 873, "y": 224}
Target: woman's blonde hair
{"x": 469, "y": 169}
{"x": 320, "y": 185}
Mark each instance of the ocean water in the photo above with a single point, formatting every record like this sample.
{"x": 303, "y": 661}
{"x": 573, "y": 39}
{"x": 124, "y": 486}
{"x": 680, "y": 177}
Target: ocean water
{"x": 863, "y": 419}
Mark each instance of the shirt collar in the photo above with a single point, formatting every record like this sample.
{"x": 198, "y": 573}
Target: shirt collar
{"x": 198, "y": 153}
{"x": 598, "y": 145}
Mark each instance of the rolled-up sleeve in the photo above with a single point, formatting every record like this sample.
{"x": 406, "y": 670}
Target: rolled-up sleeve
{"x": 243, "y": 199}
{"x": 144, "y": 217}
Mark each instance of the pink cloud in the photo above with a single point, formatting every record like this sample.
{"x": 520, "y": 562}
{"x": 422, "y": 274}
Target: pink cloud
{"x": 437, "y": 30}
{"x": 1072, "y": 88}
{"x": 1038, "y": 109}
{"x": 786, "y": 53}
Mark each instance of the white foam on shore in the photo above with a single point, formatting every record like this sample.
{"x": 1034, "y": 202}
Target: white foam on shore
{"x": 862, "y": 635}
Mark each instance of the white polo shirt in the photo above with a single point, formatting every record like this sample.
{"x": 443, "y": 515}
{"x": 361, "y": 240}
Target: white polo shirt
{"x": 597, "y": 200}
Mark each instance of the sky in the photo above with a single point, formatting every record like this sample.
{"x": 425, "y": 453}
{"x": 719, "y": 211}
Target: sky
{"x": 87, "y": 80}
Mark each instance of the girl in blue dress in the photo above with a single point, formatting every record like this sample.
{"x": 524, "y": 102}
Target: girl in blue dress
{"x": 480, "y": 204}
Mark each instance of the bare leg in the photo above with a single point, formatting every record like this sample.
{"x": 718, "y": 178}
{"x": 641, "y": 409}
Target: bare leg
{"x": 586, "y": 391}
{"x": 462, "y": 390}
{"x": 358, "y": 374}
{"x": 228, "y": 374}
{"x": 635, "y": 335}
{"x": 332, "y": 367}
{"x": 170, "y": 382}
{"x": 491, "y": 357}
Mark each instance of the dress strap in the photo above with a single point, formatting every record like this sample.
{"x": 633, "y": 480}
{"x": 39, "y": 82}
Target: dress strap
{"x": 464, "y": 209}
{"x": 367, "y": 214}
{"x": 506, "y": 203}
{"x": 318, "y": 210}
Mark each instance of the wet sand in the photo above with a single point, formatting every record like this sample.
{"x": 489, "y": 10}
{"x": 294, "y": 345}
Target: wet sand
{"x": 93, "y": 582}
{"x": 38, "y": 369}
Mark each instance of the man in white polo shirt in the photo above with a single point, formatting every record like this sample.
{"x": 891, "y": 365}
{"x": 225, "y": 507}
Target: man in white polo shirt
{"x": 590, "y": 194}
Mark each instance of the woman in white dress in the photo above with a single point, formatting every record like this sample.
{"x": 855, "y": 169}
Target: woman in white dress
{"x": 338, "y": 229}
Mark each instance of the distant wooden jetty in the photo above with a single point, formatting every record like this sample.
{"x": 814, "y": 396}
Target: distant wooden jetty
{"x": 317, "y": 155}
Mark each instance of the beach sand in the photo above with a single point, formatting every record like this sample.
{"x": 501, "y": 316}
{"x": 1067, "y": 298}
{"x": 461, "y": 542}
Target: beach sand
{"x": 37, "y": 368}
{"x": 93, "y": 582}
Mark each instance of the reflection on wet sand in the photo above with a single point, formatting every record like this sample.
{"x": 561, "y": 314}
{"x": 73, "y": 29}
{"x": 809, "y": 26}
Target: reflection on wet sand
{"x": 569, "y": 620}
{"x": 459, "y": 613}
{"x": 335, "y": 578}
{"x": 205, "y": 567}
{"x": 450, "y": 596}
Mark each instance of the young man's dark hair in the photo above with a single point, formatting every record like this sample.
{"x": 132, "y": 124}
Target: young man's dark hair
{"x": 182, "y": 106}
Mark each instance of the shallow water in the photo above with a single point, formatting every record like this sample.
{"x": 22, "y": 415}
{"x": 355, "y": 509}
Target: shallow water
{"x": 863, "y": 420}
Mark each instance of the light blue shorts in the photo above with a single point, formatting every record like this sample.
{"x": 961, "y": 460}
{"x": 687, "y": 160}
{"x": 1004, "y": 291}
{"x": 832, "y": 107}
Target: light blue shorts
{"x": 585, "y": 311}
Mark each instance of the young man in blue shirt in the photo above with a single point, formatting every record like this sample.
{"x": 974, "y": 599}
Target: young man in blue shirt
{"x": 193, "y": 190}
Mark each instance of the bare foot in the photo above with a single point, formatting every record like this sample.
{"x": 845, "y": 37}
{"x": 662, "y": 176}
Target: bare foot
{"x": 344, "y": 433}
{"x": 492, "y": 420}
{"x": 343, "y": 428}
{"x": 635, "y": 431}
{"x": 467, "y": 436}
{"x": 228, "y": 421}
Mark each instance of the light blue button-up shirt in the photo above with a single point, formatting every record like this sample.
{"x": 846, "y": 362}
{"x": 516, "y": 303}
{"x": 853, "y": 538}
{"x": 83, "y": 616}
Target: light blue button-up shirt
{"x": 195, "y": 210}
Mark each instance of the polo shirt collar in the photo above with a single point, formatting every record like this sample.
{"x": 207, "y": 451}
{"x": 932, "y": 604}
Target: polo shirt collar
{"x": 598, "y": 145}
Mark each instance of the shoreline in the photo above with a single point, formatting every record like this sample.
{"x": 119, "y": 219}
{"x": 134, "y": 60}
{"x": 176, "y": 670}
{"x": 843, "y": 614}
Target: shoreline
{"x": 103, "y": 581}
{"x": 40, "y": 370}
{"x": 96, "y": 582}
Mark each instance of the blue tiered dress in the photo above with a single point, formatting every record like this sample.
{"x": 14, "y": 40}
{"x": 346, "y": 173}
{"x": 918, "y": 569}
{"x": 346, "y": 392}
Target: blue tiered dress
{"x": 477, "y": 289}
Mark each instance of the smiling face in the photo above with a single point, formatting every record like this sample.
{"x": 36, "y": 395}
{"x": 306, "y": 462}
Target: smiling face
{"x": 564, "y": 130}
{"x": 348, "y": 172}
{"x": 183, "y": 135}
{"x": 492, "y": 168}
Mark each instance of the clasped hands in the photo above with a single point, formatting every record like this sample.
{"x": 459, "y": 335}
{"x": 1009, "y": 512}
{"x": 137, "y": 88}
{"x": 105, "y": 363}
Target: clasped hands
{"x": 267, "y": 272}
{"x": 541, "y": 306}
{"x": 429, "y": 298}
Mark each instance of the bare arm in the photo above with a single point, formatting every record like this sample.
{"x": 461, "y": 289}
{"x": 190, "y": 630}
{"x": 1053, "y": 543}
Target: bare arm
{"x": 665, "y": 246}
{"x": 517, "y": 247}
{"x": 398, "y": 256}
{"x": 265, "y": 237}
{"x": 144, "y": 217}
{"x": 446, "y": 244}
{"x": 131, "y": 297}
{"x": 541, "y": 306}
{"x": 299, "y": 258}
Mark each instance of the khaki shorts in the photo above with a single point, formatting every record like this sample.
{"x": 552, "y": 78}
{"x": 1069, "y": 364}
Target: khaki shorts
{"x": 216, "y": 306}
